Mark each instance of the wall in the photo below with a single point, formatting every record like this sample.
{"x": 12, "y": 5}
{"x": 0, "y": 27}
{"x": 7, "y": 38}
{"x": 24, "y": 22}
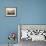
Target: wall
{"x": 28, "y": 12}
{"x": 33, "y": 12}
{"x": 8, "y": 24}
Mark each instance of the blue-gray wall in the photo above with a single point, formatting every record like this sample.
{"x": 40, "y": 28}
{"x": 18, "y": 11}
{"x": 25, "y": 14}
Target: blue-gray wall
{"x": 28, "y": 12}
{"x": 33, "y": 12}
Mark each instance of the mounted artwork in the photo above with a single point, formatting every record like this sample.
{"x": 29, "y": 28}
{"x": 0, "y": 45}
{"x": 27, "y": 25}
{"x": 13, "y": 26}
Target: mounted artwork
{"x": 10, "y": 11}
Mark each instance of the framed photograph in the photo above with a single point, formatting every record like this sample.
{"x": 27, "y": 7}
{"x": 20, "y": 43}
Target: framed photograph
{"x": 10, "y": 11}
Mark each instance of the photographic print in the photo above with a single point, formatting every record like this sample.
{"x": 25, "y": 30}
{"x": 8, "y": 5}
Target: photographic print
{"x": 10, "y": 11}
